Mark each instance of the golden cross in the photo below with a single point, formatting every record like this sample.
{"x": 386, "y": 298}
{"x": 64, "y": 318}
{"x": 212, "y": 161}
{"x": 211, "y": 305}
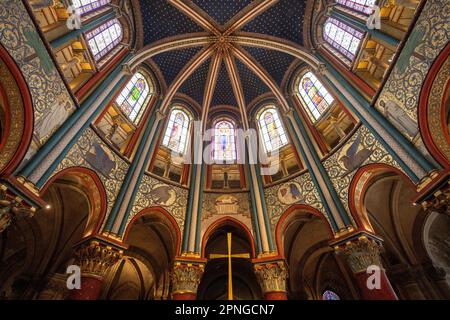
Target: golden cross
{"x": 229, "y": 255}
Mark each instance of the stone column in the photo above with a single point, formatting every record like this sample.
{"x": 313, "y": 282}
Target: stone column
{"x": 362, "y": 254}
{"x": 272, "y": 277}
{"x": 186, "y": 278}
{"x": 94, "y": 257}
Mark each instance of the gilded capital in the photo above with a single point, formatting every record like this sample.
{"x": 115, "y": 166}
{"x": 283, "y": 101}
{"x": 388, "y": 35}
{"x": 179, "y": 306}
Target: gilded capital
{"x": 272, "y": 276}
{"x": 95, "y": 257}
{"x": 186, "y": 277}
{"x": 361, "y": 253}
{"x": 439, "y": 202}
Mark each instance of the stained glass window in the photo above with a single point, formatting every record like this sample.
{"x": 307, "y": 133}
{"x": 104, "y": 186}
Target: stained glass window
{"x": 342, "y": 37}
{"x": 330, "y": 295}
{"x": 104, "y": 38}
{"x": 176, "y": 135}
{"x": 224, "y": 141}
{"x": 364, "y": 6}
{"x": 86, "y": 6}
{"x": 272, "y": 131}
{"x": 314, "y": 95}
{"x": 134, "y": 97}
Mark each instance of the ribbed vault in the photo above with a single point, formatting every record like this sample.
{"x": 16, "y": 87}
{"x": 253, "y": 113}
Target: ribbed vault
{"x": 228, "y": 54}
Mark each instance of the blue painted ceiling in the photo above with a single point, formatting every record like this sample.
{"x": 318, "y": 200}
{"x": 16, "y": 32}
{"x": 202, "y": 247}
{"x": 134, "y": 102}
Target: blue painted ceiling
{"x": 284, "y": 20}
{"x": 194, "y": 86}
{"x": 276, "y": 63}
{"x": 172, "y": 62}
{"x": 223, "y": 93}
{"x": 253, "y": 87}
{"x": 222, "y": 10}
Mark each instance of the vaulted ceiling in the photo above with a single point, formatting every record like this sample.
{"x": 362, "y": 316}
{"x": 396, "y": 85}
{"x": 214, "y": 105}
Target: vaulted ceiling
{"x": 282, "y": 20}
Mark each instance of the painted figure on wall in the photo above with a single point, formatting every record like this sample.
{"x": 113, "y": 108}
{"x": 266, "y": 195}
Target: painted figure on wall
{"x": 353, "y": 158}
{"x": 399, "y": 118}
{"x": 290, "y": 193}
{"x": 101, "y": 159}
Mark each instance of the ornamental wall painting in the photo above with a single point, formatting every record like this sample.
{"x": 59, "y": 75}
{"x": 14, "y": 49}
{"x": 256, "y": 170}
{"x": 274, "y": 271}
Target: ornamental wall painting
{"x": 91, "y": 152}
{"x": 299, "y": 190}
{"x": 361, "y": 149}
{"x": 217, "y": 206}
{"x": 51, "y": 101}
{"x": 399, "y": 99}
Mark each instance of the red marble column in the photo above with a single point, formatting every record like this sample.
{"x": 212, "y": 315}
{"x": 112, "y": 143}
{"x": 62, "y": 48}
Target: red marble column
{"x": 275, "y": 296}
{"x": 272, "y": 277}
{"x": 186, "y": 277}
{"x": 362, "y": 254}
{"x": 184, "y": 296}
{"x": 94, "y": 258}
{"x": 386, "y": 292}
{"x": 90, "y": 289}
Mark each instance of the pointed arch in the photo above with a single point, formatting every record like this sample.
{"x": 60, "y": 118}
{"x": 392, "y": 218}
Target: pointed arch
{"x": 358, "y": 187}
{"x": 134, "y": 98}
{"x": 289, "y": 216}
{"x": 315, "y": 97}
{"x": 167, "y": 219}
{"x": 92, "y": 186}
{"x": 103, "y": 39}
{"x": 271, "y": 129}
{"x": 176, "y": 135}
{"x": 16, "y": 114}
{"x": 223, "y": 222}
{"x": 224, "y": 140}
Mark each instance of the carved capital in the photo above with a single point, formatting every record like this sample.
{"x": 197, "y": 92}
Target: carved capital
{"x": 126, "y": 68}
{"x": 12, "y": 208}
{"x": 272, "y": 276}
{"x": 160, "y": 115}
{"x": 360, "y": 253}
{"x": 95, "y": 257}
{"x": 186, "y": 277}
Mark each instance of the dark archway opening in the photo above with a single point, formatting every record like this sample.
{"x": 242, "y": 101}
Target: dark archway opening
{"x": 214, "y": 284}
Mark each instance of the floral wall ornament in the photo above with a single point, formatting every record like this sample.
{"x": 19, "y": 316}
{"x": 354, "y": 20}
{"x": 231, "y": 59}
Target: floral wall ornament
{"x": 428, "y": 38}
{"x": 46, "y": 86}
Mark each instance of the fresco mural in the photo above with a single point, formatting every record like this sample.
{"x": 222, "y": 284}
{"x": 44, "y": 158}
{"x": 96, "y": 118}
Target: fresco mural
{"x": 51, "y": 101}
{"x": 218, "y": 205}
{"x": 91, "y": 152}
{"x": 300, "y": 190}
{"x": 153, "y": 192}
{"x": 361, "y": 149}
{"x": 399, "y": 98}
